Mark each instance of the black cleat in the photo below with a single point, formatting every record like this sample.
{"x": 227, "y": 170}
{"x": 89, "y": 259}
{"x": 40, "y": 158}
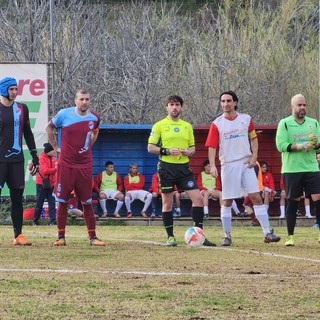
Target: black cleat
{"x": 208, "y": 243}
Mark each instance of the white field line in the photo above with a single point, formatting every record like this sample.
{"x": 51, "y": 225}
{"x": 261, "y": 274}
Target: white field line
{"x": 148, "y": 273}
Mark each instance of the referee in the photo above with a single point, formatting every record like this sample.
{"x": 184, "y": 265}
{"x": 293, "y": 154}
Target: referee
{"x": 173, "y": 139}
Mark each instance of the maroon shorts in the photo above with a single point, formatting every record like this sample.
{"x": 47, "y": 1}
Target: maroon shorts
{"x": 68, "y": 179}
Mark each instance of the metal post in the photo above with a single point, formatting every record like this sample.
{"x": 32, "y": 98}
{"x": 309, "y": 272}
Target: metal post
{"x": 52, "y": 58}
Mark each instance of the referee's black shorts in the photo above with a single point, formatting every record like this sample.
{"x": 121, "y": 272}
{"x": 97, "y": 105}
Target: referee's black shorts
{"x": 171, "y": 174}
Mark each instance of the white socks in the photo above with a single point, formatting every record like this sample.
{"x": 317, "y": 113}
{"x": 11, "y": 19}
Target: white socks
{"x": 147, "y": 202}
{"x": 282, "y": 211}
{"x": 226, "y": 215}
{"x": 119, "y": 205}
{"x": 127, "y": 201}
{"x": 235, "y": 207}
{"x": 262, "y": 216}
{"x": 103, "y": 204}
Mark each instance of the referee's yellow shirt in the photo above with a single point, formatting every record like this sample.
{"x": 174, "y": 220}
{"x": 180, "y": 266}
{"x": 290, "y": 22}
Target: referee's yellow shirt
{"x": 169, "y": 134}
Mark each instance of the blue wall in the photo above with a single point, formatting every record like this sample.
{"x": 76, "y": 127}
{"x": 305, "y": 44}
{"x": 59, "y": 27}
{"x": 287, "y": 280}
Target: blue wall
{"x": 123, "y": 145}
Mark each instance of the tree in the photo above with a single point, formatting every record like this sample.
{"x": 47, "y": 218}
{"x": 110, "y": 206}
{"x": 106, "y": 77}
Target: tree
{"x": 132, "y": 55}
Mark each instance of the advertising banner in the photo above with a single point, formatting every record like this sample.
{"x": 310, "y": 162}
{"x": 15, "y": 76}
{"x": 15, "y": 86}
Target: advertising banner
{"x": 32, "y": 91}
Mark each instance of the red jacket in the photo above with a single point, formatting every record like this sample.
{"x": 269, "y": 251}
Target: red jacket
{"x": 134, "y": 186}
{"x": 48, "y": 168}
{"x": 268, "y": 180}
{"x": 98, "y": 179}
{"x": 155, "y": 183}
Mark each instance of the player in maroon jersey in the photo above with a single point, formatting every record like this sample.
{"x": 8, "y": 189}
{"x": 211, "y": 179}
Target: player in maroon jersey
{"x": 78, "y": 129}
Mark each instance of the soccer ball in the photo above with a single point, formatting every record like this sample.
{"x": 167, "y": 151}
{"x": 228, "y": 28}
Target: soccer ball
{"x": 194, "y": 237}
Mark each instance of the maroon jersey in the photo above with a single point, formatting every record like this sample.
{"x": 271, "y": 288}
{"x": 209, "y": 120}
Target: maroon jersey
{"x": 74, "y": 137}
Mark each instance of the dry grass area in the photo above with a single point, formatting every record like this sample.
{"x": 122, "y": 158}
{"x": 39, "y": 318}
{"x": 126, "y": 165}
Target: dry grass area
{"x": 137, "y": 277}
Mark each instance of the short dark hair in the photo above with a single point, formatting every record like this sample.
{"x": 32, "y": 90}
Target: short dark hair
{"x": 262, "y": 163}
{"x": 81, "y": 91}
{"x": 175, "y": 98}
{"x": 232, "y": 94}
{"x": 108, "y": 163}
{"x": 205, "y": 163}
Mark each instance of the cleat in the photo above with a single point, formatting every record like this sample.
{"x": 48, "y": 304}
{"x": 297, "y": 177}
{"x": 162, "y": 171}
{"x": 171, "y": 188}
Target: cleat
{"x": 282, "y": 217}
{"x": 105, "y": 214}
{"x": 208, "y": 243}
{"x": 153, "y": 214}
{"x": 129, "y": 215}
{"x": 116, "y": 215}
{"x": 226, "y": 242}
{"x": 290, "y": 241}
{"x": 171, "y": 242}
{"x": 206, "y": 216}
{"x": 60, "y": 242}
{"x": 143, "y": 214}
{"x": 270, "y": 237}
{"x": 21, "y": 240}
{"x": 97, "y": 242}
{"x": 309, "y": 216}
{"x": 159, "y": 216}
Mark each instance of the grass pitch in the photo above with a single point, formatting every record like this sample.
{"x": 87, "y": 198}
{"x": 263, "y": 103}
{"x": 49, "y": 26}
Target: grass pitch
{"x": 137, "y": 277}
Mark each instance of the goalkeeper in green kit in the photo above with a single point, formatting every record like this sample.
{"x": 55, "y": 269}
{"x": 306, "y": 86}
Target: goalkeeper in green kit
{"x": 297, "y": 140}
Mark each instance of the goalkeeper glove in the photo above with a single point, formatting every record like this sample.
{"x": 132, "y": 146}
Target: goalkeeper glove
{"x": 34, "y": 168}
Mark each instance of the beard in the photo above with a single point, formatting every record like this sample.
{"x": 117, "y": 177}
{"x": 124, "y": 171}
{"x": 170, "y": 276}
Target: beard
{"x": 175, "y": 114}
{"x": 301, "y": 114}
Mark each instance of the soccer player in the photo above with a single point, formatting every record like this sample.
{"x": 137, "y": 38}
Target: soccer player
{"x": 134, "y": 184}
{"x": 173, "y": 140}
{"x": 232, "y": 132}
{"x": 297, "y": 140}
{"x": 108, "y": 185}
{"x": 78, "y": 129}
{"x": 15, "y": 124}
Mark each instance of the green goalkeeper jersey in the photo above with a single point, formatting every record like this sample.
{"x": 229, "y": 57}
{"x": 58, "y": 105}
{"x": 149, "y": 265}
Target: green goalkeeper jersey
{"x": 291, "y": 132}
